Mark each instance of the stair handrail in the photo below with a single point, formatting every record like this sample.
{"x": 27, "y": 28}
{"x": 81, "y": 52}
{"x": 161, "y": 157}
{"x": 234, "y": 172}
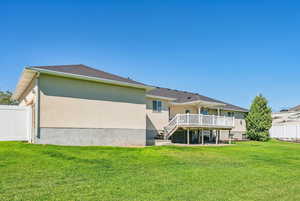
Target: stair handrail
{"x": 172, "y": 124}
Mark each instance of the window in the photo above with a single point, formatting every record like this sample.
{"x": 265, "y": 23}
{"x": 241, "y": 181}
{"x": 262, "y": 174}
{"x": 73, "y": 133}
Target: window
{"x": 187, "y": 111}
{"x": 230, "y": 114}
{"x": 204, "y": 111}
{"x": 156, "y": 105}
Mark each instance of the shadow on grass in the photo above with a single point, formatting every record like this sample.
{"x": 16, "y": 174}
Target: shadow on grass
{"x": 61, "y": 156}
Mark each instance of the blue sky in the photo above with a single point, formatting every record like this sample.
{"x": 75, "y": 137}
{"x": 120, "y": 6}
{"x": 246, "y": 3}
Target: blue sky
{"x": 229, "y": 50}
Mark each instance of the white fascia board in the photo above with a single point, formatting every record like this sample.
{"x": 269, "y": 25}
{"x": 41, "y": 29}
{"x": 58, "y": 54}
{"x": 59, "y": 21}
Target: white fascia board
{"x": 161, "y": 97}
{"x": 229, "y": 109}
{"x": 94, "y": 79}
{"x": 24, "y": 81}
{"x": 205, "y": 103}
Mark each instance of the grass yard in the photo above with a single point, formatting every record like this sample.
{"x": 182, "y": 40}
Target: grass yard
{"x": 247, "y": 171}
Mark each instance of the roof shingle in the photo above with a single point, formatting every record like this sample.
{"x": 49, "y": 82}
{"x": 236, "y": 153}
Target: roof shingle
{"x": 296, "y": 108}
{"x": 80, "y": 69}
{"x": 179, "y": 96}
{"x": 184, "y": 96}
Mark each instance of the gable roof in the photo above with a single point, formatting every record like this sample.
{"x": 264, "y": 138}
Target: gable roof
{"x": 77, "y": 71}
{"x": 185, "y": 97}
{"x": 80, "y": 69}
{"x": 296, "y": 108}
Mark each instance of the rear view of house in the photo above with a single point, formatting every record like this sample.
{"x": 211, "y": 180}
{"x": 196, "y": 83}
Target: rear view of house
{"x": 79, "y": 105}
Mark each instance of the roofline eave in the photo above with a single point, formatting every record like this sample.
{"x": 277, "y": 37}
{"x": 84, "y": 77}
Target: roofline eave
{"x": 23, "y": 84}
{"x": 160, "y": 97}
{"x": 208, "y": 103}
{"x": 88, "y": 78}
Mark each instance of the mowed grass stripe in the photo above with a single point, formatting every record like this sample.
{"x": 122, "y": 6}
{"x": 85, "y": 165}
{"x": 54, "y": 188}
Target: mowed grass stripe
{"x": 244, "y": 171}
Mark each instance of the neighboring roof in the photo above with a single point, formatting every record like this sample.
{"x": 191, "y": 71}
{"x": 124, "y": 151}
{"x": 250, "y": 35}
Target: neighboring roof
{"x": 80, "y": 69}
{"x": 296, "y": 108}
{"x": 185, "y": 97}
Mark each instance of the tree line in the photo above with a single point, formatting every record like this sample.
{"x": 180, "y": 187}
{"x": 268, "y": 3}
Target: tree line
{"x": 5, "y": 98}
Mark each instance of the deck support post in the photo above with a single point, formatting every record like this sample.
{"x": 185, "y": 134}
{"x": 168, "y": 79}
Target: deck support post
{"x": 199, "y": 110}
{"x": 217, "y": 136}
{"x": 229, "y": 135}
{"x": 199, "y": 136}
{"x": 202, "y": 136}
{"x": 188, "y": 136}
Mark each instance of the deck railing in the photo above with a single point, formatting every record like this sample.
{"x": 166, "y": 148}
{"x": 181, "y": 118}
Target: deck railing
{"x": 195, "y": 120}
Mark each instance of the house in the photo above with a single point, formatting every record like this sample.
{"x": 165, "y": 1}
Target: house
{"x": 295, "y": 109}
{"x": 80, "y": 105}
{"x": 287, "y": 117}
{"x": 286, "y": 124}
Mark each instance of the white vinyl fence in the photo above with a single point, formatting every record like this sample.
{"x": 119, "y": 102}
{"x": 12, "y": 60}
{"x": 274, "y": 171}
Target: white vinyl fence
{"x": 15, "y": 123}
{"x": 291, "y": 131}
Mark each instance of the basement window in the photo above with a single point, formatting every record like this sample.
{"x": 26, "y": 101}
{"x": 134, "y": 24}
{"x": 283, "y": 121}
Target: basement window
{"x": 156, "y": 106}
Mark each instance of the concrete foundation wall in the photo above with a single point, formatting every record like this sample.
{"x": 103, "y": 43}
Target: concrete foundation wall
{"x": 92, "y": 136}
{"x": 150, "y": 136}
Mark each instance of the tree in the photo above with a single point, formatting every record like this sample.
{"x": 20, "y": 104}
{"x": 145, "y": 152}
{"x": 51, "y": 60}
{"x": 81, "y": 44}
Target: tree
{"x": 259, "y": 119}
{"x": 5, "y": 98}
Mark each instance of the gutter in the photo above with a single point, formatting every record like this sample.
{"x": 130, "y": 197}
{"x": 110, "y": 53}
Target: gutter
{"x": 161, "y": 97}
{"x": 199, "y": 101}
{"x": 37, "y": 109}
{"x": 229, "y": 109}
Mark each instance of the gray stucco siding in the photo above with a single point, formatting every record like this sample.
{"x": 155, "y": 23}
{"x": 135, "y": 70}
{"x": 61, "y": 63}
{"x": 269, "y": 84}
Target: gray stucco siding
{"x": 150, "y": 136}
{"x": 92, "y": 136}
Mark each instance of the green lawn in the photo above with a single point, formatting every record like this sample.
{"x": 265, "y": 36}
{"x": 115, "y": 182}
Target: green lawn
{"x": 246, "y": 171}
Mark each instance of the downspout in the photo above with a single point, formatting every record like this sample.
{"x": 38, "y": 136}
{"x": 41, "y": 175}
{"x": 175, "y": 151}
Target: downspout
{"x": 37, "y": 109}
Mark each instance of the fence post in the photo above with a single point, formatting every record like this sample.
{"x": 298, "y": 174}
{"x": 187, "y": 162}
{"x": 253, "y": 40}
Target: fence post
{"x": 296, "y": 133}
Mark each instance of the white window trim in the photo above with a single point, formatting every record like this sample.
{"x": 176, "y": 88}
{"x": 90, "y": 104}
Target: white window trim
{"x": 161, "y": 105}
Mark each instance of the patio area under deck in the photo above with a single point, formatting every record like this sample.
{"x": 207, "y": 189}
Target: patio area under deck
{"x": 199, "y": 123}
{"x": 214, "y": 134}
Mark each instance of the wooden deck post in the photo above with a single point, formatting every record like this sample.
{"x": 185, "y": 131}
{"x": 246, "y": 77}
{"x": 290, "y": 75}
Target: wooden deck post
{"x": 202, "y": 136}
{"x": 217, "y": 137}
{"x": 229, "y": 135}
{"x": 199, "y": 110}
{"x": 199, "y": 141}
{"x": 188, "y": 136}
